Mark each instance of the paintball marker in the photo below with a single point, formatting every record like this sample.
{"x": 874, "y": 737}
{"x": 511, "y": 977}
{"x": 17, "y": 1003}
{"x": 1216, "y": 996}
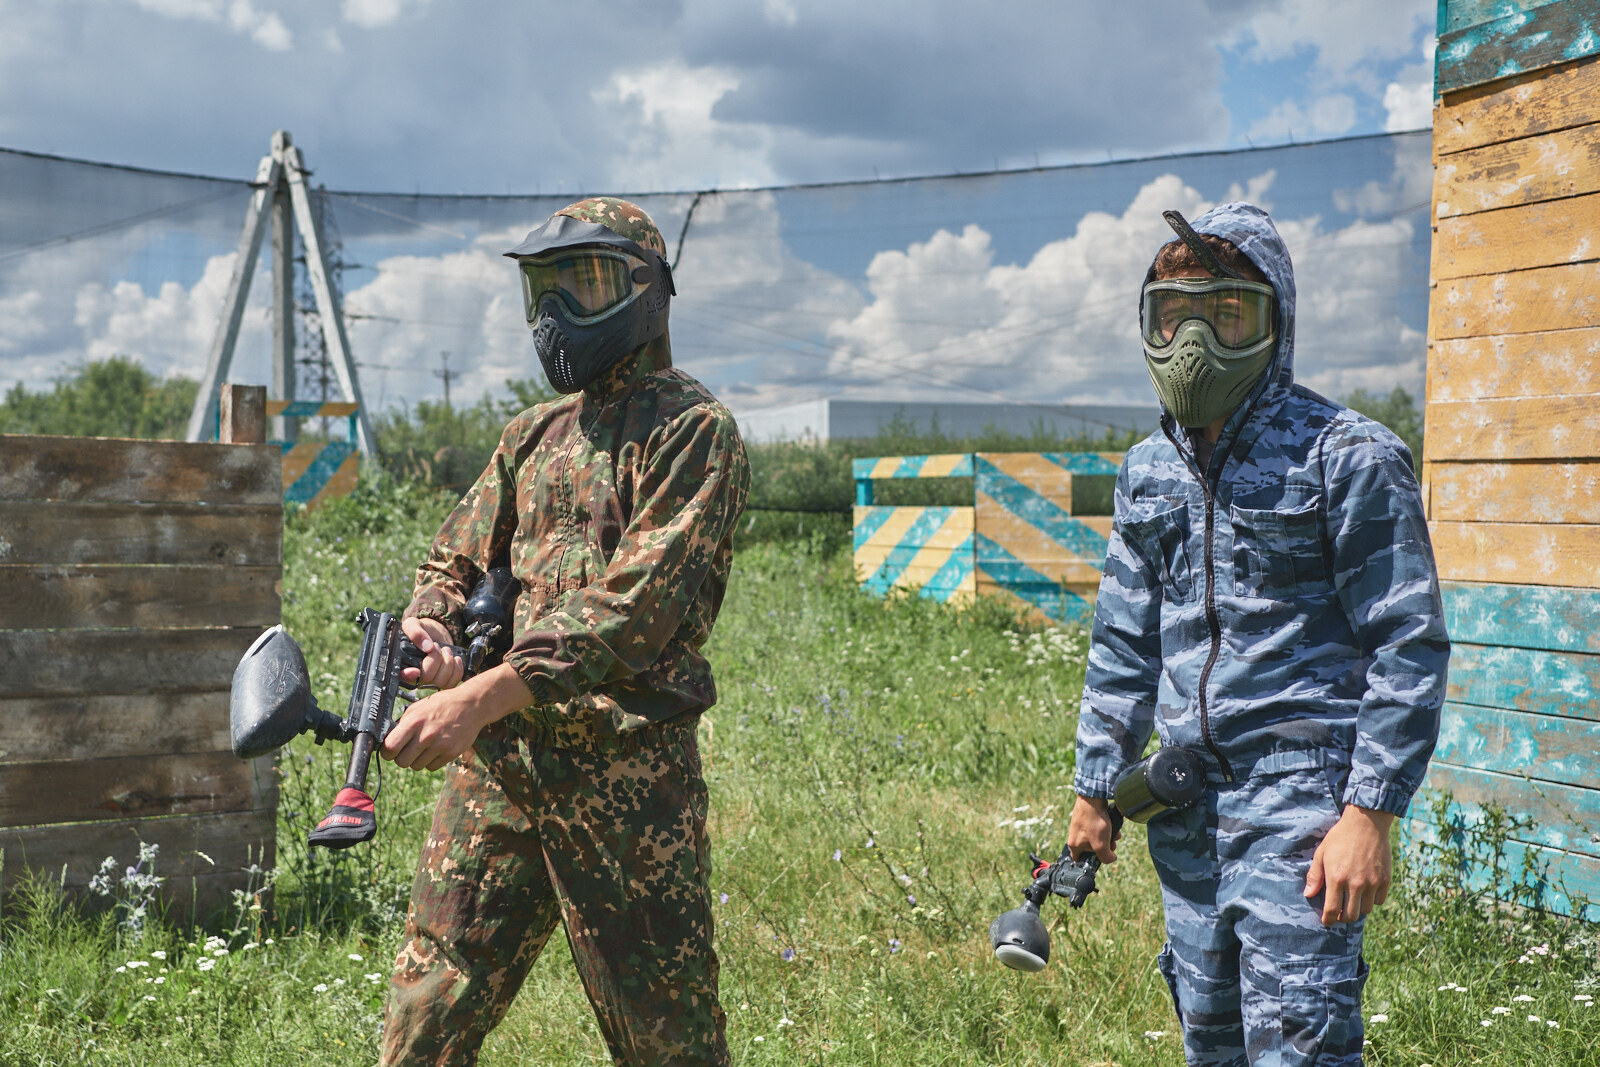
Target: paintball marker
{"x": 1170, "y": 779}
{"x": 271, "y": 702}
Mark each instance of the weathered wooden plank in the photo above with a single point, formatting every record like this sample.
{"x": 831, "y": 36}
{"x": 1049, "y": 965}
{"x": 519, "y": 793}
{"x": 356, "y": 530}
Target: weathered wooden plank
{"x": 1524, "y": 679}
{"x": 202, "y": 857}
{"x": 1566, "y": 297}
{"x": 72, "y": 532}
{"x": 1517, "y": 238}
{"x": 1567, "y": 883}
{"x": 1522, "y": 41}
{"x": 1520, "y": 491}
{"x": 1525, "y": 171}
{"x": 113, "y": 469}
{"x": 1546, "y": 748}
{"x": 1524, "y": 106}
{"x": 155, "y": 597}
{"x": 70, "y": 662}
{"x": 1555, "y": 363}
{"x": 1460, "y": 14}
{"x": 35, "y": 729}
{"x": 34, "y": 794}
{"x": 1560, "y": 816}
{"x": 1517, "y": 553}
{"x": 1539, "y": 427}
{"x": 1523, "y": 616}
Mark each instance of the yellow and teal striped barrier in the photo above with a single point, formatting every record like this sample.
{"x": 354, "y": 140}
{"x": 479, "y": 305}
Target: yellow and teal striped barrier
{"x": 317, "y": 471}
{"x": 1019, "y": 539}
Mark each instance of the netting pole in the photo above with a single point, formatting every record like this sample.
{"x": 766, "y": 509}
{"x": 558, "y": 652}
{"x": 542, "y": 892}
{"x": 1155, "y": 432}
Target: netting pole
{"x": 283, "y": 363}
{"x": 203, "y": 419}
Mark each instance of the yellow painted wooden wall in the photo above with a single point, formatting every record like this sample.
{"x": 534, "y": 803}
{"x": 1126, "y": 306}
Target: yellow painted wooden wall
{"x": 1512, "y": 448}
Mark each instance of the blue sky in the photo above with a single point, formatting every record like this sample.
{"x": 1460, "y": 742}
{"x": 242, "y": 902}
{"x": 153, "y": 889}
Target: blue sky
{"x": 857, "y": 290}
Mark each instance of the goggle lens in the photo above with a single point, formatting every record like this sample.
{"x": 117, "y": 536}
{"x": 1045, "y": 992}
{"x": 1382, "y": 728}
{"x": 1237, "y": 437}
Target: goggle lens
{"x": 1241, "y": 314}
{"x": 591, "y": 282}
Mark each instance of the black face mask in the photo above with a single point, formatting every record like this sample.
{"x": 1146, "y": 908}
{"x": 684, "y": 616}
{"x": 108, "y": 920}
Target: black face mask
{"x": 574, "y": 355}
{"x": 576, "y": 348}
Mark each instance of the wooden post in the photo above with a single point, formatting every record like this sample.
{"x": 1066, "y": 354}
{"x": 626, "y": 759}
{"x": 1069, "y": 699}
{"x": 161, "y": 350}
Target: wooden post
{"x": 244, "y": 414}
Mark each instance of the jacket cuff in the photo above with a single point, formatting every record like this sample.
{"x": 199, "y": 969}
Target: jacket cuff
{"x": 542, "y": 709}
{"x": 1377, "y": 795}
{"x": 441, "y": 613}
{"x": 1093, "y": 786}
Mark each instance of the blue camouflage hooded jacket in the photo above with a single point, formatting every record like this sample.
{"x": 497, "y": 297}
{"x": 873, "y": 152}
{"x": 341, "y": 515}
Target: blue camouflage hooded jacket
{"x": 1280, "y": 610}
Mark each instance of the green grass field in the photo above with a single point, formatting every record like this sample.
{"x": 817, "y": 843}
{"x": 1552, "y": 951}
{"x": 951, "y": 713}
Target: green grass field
{"x": 878, "y": 773}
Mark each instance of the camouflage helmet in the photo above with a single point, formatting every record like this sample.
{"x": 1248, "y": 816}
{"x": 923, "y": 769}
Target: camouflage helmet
{"x": 622, "y": 217}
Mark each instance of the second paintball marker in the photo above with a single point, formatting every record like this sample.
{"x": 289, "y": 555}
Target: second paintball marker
{"x": 271, "y": 702}
{"x": 1171, "y": 779}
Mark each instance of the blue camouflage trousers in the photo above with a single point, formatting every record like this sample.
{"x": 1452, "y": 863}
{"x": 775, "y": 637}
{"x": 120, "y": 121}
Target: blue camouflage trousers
{"x": 1256, "y": 978}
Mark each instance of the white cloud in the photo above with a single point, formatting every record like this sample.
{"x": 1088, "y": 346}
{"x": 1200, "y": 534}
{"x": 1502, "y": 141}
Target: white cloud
{"x": 1408, "y": 187}
{"x": 666, "y": 128}
{"x": 1343, "y": 35}
{"x": 1326, "y": 116}
{"x": 372, "y": 14}
{"x": 265, "y": 28}
{"x": 781, "y": 13}
{"x": 1349, "y": 333}
{"x": 1408, "y": 100}
{"x": 170, "y": 332}
{"x": 1062, "y": 327}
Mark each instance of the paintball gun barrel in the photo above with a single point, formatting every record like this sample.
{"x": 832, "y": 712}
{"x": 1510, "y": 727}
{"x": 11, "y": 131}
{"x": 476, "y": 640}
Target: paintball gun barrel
{"x": 271, "y": 702}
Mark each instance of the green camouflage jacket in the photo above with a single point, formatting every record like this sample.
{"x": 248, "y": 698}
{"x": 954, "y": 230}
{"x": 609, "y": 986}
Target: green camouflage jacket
{"x": 616, "y": 506}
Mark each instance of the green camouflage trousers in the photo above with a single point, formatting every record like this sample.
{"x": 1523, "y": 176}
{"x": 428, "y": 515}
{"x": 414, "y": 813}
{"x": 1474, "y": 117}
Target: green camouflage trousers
{"x": 614, "y": 845}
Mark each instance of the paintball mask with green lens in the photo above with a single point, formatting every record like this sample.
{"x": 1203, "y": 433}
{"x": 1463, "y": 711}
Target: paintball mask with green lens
{"x": 1207, "y": 341}
{"x": 591, "y": 296}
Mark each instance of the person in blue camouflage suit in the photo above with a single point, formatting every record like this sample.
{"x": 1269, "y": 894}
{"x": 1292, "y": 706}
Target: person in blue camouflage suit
{"x": 1269, "y": 601}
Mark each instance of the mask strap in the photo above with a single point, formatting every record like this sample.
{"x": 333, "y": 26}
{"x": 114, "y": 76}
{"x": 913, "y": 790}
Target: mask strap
{"x": 1207, "y": 258}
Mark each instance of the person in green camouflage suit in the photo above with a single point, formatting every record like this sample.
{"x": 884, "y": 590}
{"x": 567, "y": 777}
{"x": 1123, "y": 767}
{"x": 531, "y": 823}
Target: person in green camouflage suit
{"x": 573, "y": 788}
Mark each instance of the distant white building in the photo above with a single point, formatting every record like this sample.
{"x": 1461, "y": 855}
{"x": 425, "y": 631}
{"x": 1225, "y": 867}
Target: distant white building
{"x": 829, "y": 419}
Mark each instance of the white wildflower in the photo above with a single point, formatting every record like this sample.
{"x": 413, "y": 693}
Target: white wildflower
{"x": 1498, "y": 1010}
{"x": 356, "y": 956}
{"x": 1552, "y": 1024}
{"x": 1154, "y": 1035}
{"x": 760, "y": 1038}
{"x": 320, "y": 987}
{"x": 374, "y": 978}
{"x": 206, "y": 963}
{"x": 1535, "y": 1019}
{"x": 1523, "y": 998}
{"x": 1583, "y": 998}
{"x": 785, "y": 1021}
{"x": 1485, "y": 1022}
{"x": 1378, "y": 1019}
{"x": 150, "y": 999}
{"x": 158, "y": 954}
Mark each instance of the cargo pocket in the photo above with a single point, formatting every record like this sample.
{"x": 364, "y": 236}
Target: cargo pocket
{"x": 1320, "y": 1009}
{"x": 1167, "y": 964}
{"x": 1159, "y": 540}
{"x": 1278, "y": 554}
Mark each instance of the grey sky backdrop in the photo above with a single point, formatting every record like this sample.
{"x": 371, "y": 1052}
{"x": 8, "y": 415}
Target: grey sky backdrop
{"x": 1018, "y": 286}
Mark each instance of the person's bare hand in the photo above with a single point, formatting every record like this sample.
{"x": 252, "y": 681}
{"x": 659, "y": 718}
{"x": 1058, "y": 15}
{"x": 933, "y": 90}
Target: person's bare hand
{"x": 435, "y": 730}
{"x": 1352, "y": 865}
{"x": 441, "y": 668}
{"x": 1091, "y": 830}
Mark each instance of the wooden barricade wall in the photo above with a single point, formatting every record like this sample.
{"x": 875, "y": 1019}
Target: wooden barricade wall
{"x": 1021, "y": 538}
{"x": 1512, "y": 442}
{"x": 133, "y": 575}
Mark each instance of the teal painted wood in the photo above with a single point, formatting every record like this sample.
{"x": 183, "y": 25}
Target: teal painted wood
{"x": 1520, "y": 42}
{"x": 1546, "y": 748}
{"x": 1560, "y": 816}
{"x": 864, "y": 492}
{"x": 869, "y": 524}
{"x": 1460, "y": 14}
{"x": 316, "y": 476}
{"x": 915, "y": 538}
{"x": 1082, "y": 462}
{"x": 1523, "y": 616}
{"x": 1081, "y": 539}
{"x": 908, "y": 467}
{"x": 946, "y": 581}
{"x": 1522, "y": 679}
{"x": 1021, "y": 580}
{"x": 1567, "y": 883}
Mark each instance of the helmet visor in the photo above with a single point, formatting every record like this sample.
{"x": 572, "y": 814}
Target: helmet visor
{"x": 591, "y": 281}
{"x": 1241, "y": 314}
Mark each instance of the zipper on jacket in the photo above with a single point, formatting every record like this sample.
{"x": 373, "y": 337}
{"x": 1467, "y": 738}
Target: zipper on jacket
{"x": 1213, "y": 620}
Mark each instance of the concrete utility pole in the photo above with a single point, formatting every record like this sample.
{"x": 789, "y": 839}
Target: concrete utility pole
{"x": 280, "y": 178}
